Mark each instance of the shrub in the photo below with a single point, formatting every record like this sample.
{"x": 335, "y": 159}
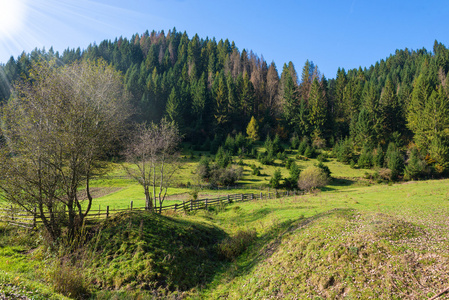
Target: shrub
{"x": 325, "y": 169}
{"x": 322, "y": 157}
{"x": 318, "y": 142}
{"x": 256, "y": 170}
{"x": 385, "y": 174}
{"x": 395, "y": 161}
{"x": 309, "y": 152}
{"x": 294, "y": 141}
{"x": 344, "y": 151}
{"x": 302, "y": 147}
{"x": 281, "y": 155}
{"x": 223, "y": 158}
{"x": 265, "y": 158}
{"x": 292, "y": 181}
{"x": 229, "y": 145}
{"x": 225, "y": 176}
{"x": 231, "y": 247}
{"x": 203, "y": 169}
{"x": 378, "y": 158}
{"x": 311, "y": 178}
{"x": 289, "y": 162}
{"x": 416, "y": 167}
{"x": 69, "y": 281}
{"x": 275, "y": 181}
{"x": 365, "y": 159}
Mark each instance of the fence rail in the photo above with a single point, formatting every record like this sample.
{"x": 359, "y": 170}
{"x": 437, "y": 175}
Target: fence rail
{"x": 22, "y": 218}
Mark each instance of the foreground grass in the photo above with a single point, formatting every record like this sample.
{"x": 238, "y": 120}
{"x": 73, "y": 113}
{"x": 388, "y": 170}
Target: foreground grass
{"x": 380, "y": 242}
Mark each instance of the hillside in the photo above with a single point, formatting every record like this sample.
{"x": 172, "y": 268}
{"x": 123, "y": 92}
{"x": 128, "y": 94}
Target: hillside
{"x": 221, "y": 87}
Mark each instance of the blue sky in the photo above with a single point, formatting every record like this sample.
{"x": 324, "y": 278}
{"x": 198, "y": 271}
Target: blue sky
{"x": 332, "y": 34}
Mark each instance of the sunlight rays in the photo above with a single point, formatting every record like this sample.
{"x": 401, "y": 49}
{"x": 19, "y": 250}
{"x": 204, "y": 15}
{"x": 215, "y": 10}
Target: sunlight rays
{"x": 26, "y": 25}
{"x": 12, "y": 16}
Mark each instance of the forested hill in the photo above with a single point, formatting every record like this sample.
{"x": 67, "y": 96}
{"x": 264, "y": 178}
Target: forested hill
{"x": 212, "y": 89}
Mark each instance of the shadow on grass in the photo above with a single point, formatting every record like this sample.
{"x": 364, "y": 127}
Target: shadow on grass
{"x": 338, "y": 182}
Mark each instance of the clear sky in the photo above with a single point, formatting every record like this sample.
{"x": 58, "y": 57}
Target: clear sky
{"x": 332, "y": 34}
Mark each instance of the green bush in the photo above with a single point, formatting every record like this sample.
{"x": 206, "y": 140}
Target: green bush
{"x": 311, "y": 178}
{"x": 325, "y": 169}
{"x": 275, "y": 181}
{"x": 416, "y": 167}
{"x": 302, "y": 147}
{"x": 322, "y": 157}
{"x": 223, "y": 158}
{"x": 291, "y": 182}
{"x": 344, "y": 151}
{"x": 225, "y": 176}
{"x": 294, "y": 142}
{"x": 69, "y": 281}
{"x": 365, "y": 160}
{"x": 395, "y": 161}
{"x": 309, "y": 152}
{"x": 231, "y": 247}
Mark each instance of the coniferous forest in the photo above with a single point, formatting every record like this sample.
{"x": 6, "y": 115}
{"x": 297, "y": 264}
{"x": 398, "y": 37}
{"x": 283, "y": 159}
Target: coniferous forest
{"x": 392, "y": 115}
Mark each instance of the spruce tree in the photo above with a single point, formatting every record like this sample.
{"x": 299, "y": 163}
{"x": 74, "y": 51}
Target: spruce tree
{"x": 252, "y": 130}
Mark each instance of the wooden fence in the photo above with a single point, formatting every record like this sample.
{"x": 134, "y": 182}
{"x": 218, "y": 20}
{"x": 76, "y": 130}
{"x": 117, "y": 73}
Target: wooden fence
{"x": 19, "y": 217}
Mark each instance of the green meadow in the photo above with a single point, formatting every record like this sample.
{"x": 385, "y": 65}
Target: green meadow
{"x": 353, "y": 239}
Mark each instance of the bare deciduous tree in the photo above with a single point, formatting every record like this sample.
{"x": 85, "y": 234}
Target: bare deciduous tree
{"x": 154, "y": 159}
{"x": 57, "y": 126}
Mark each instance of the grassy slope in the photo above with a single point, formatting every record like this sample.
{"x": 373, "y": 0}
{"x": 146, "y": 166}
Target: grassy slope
{"x": 387, "y": 242}
{"x": 347, "y": 241}
{"x": 146, "y": 251}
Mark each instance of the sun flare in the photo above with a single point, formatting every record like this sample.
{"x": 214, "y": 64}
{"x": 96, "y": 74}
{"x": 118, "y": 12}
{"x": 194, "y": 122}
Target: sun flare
{"x": 12, "y": 16}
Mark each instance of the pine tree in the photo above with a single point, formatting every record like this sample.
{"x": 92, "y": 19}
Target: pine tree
{"x": 252, "y": 130}
{"x": 247, "y": 97}
{"x": 271, "y": 102}
{"x": 317, "y": 107}
{"x": 199, "y": 99}
{"x": 220, "y": 93}
{"x": 289, "y": 96}
{"x": 390, "y": 110}
{"x": 173, "y": 108}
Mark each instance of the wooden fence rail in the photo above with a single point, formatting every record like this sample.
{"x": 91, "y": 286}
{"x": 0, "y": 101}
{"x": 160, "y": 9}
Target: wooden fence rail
{"x": 19, "y": 217}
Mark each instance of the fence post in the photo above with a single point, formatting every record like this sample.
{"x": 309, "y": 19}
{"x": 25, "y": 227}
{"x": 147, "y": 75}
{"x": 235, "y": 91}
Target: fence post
{"x": 99, "y": 211}
{"x": 34, "y": 217}
{"x": 131, "y": 205}
{"x": 191, "y": 204}
{"x": 241, "y": 197}
{"x": 12, "y": 214}
{"x": 260, "y": 195}
{"x": 176, "y": 206}
{"x": 252, "y": 196}
{"x": 107, "y": 211}
{"x": 229, "y": 199}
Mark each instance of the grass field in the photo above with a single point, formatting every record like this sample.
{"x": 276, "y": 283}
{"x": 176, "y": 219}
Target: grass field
{"x": 118, "y": 190}
{"x": 352, "y": 240}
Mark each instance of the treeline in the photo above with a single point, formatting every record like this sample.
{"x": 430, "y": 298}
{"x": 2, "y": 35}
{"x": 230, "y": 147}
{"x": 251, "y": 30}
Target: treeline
{"x": 212, "y": 89}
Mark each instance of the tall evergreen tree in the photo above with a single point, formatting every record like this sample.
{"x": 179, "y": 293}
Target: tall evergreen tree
{"x": 317, "y": 107}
